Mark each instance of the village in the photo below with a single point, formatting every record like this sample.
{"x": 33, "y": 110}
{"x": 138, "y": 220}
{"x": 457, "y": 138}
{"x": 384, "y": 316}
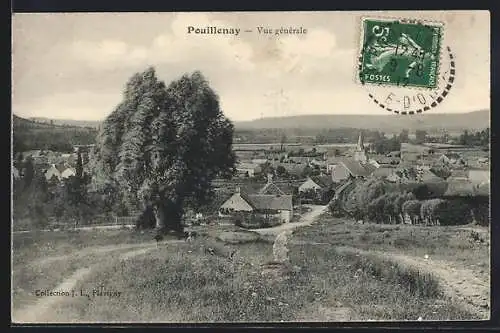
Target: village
{"x": 273, "y": 182}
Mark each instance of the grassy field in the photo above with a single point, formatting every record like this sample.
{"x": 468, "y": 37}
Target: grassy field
{"x": 421, "y": 294}
{"x": 461, "y": 246}
{"x": 183, "y": 282}
{"x": 41, "y": 244}
{"x": 40, "y": 259}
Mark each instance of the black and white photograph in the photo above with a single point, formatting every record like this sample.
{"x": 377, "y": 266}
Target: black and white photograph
{"x": 250, "y": 167}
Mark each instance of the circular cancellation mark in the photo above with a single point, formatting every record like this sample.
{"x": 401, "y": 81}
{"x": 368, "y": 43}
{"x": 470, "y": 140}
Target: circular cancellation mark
{"x": 408, "y": 101}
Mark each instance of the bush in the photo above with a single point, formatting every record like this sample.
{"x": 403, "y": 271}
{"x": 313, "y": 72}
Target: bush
{"x": 427, "y": 210}
{"x": 411, "y": 208}
{"x": 146, "y": 219}
{"x": 446, "y": 212}
{"x": 453, "y": 212}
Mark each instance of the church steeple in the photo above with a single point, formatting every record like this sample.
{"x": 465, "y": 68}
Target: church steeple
{"x": 359, "y": 153}
{"x": 361, "y": 146}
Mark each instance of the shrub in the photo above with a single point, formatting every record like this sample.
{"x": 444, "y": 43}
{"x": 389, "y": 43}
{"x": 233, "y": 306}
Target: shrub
{"x": 146, "y": 219}
{"x": 446, "y": 212}
{"x": 376, "y": 209}
{"x": 453, "y": 212}
{"x": 412, "y": 209}
{"x": 428, "y": 210}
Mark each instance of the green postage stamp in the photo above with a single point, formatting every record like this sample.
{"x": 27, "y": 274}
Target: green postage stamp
{"x": 400, "y": 52}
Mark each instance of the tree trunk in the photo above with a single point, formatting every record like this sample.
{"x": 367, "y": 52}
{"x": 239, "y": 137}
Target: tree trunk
{"x": 474, "y": 220}
{"x": 159, "y": 217}
{"x": 173, "y": 217}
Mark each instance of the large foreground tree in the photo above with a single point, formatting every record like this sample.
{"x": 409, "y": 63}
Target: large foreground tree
{"x": 164, "y": 145}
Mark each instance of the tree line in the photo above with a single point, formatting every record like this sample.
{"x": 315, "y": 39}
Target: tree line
{"x": 40, "y": 201}
{"x": 381, "y": 202}
{"x": 60, "y": 139}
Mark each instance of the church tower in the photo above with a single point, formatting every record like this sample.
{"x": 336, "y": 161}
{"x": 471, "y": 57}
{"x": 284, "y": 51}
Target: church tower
{"x": 359, "y": 153}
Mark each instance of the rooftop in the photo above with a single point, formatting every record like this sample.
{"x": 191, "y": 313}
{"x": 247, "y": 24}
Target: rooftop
{"x": 269, "y": 201}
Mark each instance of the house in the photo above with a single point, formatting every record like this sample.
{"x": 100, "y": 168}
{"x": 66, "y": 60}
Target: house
{"x": 90, "y": 147}
{"x": 316, "y": 183}
{"x": 318, "y": 163}
{"x": 374, "y": 163}
{"x": 68, "y": 172}
{"x": 411, "y": 153}
{"x": 451, "y": 158}
{"x": 52, "y": 171}
{"x": 482, "y": 190}
{"x": 296, "y": 170}
{"x": 349, "y": 168}
{"x": 309, "y": 185}
{"x": 259, "y": 161}
{"x": 270, "y": 187}
{"x": 299, "y": 159}
{"x": 383, "y": 172}
{"x": 483, "y": 160}
{"x": 459, "y": 174}
{"x": 384, "y": 160}
{"x": 279, "y": 206}
{"x": 248, "y": 169}
{"x": 427, "y": 176}
{"x": 394, "y": 154}
{"x": 394, "y": 178}
{"x": 331, "y": 162}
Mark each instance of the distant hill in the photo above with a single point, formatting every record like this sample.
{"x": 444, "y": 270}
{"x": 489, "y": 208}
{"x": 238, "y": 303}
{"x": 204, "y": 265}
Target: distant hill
{"x": 387, "y": 123}
{"x": 31, "y": 135}
{"x": 68, "y": 122}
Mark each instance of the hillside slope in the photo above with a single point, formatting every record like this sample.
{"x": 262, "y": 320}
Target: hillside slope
{"x": 389, "y": 122}
{"x": 29, "y": 135}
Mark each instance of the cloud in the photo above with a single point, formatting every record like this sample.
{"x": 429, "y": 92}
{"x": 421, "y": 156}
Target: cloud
{"x": 76, "y": 66}
{"x": 170, "y": 47}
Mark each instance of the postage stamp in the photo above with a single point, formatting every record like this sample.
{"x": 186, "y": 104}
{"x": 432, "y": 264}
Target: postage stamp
{"x": 400, "y": 52}
{"x": 407, "y": 100}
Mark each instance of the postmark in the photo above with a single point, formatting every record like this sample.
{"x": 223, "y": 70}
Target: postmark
{"x": 397, "y": 52}
{"x": 407, "y": 101}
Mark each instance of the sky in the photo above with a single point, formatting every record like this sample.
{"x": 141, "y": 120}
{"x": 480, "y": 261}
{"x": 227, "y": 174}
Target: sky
{"x": 75, "y": 66}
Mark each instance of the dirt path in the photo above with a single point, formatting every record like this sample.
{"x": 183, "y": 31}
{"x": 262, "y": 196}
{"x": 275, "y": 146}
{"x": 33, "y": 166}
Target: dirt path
{"x": 101, "y": 250}
{"x": 458, "y": 283}
{"x": 88, "y": 228}
{"x": 284, "y": 232}
{"x": 316, "y": 311}
{"x": 40, "y": 311}
{"x": 307, "y": 219}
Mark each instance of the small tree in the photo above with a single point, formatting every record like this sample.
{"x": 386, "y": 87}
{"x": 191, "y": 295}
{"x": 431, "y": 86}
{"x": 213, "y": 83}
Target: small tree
{"x": 411, "y": 208}
{"x": 28, "y": 171}
{"x": 281, "y": 171}
{"x": 376, "y": 209}
{"x": 420, "y": 136}
{"x": 399, "y": 200}
{"x": 71, "y": 200}
{"x": 18, "y": 162}
{"x": 404, "y": 136}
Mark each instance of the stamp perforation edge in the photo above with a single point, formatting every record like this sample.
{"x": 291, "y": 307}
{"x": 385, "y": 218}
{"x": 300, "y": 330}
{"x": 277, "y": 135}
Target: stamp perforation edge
{"x": 442, "y": 96}
{"x": 402, "y": 20}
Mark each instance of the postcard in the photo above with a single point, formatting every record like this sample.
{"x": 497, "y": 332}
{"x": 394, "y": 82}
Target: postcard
{"x": 250, "y": 167}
